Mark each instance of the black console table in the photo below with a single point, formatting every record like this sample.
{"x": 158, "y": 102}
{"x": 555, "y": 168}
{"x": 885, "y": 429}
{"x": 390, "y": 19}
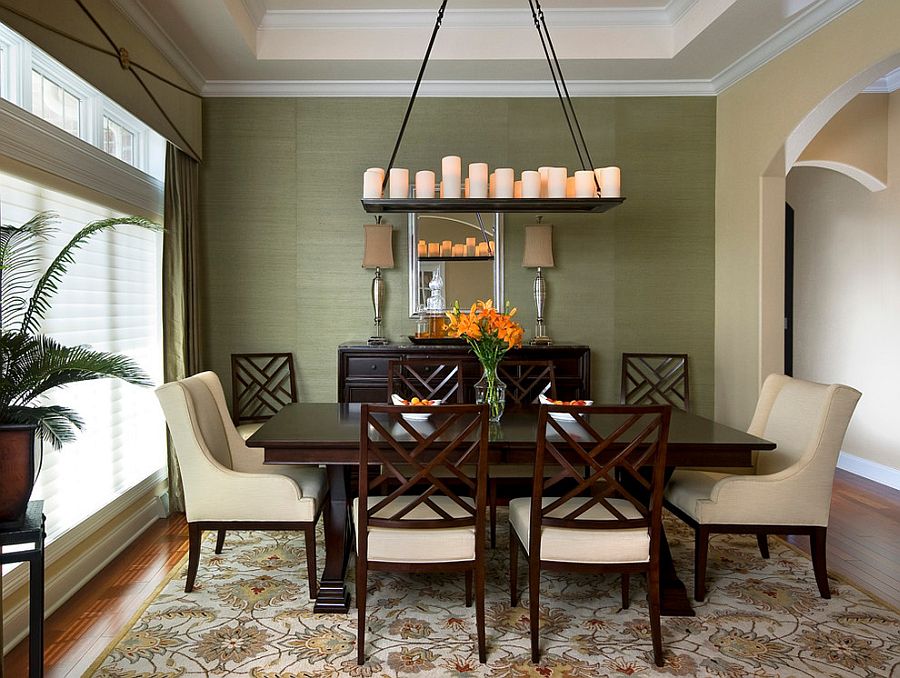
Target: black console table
{"x": 31, "y": 532}
{"x": 363, "y": 370}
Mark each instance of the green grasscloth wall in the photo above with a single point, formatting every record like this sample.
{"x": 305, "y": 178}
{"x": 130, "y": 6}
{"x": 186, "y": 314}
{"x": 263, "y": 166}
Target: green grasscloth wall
{"x": 282, "y": 237}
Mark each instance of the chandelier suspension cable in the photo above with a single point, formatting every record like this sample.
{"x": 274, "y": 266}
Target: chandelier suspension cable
{"x": 412, "y": 99}
{"x": 538, "y": 13}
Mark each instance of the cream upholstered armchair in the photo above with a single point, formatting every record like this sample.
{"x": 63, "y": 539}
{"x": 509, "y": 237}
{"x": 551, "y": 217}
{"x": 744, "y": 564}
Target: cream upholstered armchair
{"x": 226, "y": 484}
{"x": 789, "y": 491}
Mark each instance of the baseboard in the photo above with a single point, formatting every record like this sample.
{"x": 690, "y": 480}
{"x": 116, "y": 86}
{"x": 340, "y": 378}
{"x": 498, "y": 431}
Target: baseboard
{"x": 63, "y": 585}
{"x": 872, "y": 470}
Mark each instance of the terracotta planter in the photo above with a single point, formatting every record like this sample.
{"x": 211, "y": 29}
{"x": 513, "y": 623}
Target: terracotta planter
{"x": 16, "y": 472}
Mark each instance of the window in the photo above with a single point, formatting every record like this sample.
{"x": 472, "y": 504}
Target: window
{"x": 34, "y": 81}
{"x": 55, "y": 104}
{"x": 111, "y": 299}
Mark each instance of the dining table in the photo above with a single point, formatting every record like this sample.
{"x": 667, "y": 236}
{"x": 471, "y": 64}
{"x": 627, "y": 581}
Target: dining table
{"x": 328, "y": 434}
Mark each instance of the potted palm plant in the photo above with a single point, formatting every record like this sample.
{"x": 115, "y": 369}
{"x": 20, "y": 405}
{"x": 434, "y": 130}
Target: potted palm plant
{"x": 31, "y": 364}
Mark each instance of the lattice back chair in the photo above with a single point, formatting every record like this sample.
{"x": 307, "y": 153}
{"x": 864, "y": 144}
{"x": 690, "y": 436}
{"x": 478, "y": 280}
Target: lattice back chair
{"x": 261, "y": 384}
{"x": 656, "y": 379}
{"x": 608, "y": 520}
{"x": 423, "y": 524}
{"x": 526, "y": 380}
{"x": 427, "y": 378}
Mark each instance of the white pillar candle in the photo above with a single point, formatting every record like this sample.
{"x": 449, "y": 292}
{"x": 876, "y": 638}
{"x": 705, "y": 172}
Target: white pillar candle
{"x": 459, "y": 250}
{"x": 447, "y": 248}
{"x": 422, "y": 248}
{"x": 478, "y": 180}
{"x": 442, "y": 189}
{"x": 424, "y": 184}
{"x": 451, "y": 173}
{"x": 470, "y": 247}
{"x": 584, "y": 184}
{"x": 531, "y": 184}
{"x": 570, "y": 187}
{"x": 545, "y": 177}
{"x": 556, "y": 182}
{"x": 372, "y": 183}
{"x": 491, "y": 247}
{"x": 492, "y": 185}
{"x": 610, "y": 179}
{"x": 517, "y": 189}
{"x": 466, "y": 188}
{"x": 434, "y": 249}
{"x": 504, "y": 182}
{"x": 482, "y": 249}
{"x": 399, "y": 182}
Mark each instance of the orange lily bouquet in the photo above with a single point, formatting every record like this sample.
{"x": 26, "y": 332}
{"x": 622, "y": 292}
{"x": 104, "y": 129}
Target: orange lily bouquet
{"x": 490, "y": 333}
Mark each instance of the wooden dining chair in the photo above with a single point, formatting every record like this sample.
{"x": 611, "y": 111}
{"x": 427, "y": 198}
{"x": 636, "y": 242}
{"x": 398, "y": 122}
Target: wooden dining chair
{"x": 261, "y": 384}
{"x": 426, "y": 378}
{"x": 424, "y": 524}
{"x": 526, "y": 381}
{"x": 656, "y": 379}
{"x": 609, "y": 521}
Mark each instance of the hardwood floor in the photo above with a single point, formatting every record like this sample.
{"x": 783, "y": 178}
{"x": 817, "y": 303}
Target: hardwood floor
{"x": 862, "y": 548}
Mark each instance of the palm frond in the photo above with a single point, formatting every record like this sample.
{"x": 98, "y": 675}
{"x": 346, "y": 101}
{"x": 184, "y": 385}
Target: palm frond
{"x": 20, "y": 263}
{"x": 56, "y": 424}
{"x": 48, "y": 284}
{"x": 52, "y": 365}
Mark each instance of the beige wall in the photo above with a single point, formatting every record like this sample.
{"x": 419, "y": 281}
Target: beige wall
{"x": 847, "y": 258}
{"x": 282, "y": 225}
{"x": 754, "y": 120}
{"x": 854, "y": 142}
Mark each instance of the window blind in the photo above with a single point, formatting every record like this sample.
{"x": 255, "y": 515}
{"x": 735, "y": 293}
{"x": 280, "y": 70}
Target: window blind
{"x": 111, "y": 300}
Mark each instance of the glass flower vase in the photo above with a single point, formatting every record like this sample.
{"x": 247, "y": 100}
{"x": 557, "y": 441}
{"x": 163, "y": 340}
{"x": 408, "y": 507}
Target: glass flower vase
{"x": 491, "y": 389}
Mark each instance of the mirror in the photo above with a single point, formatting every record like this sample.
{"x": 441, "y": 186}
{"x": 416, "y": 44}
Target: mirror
{"x": 437, "y": 277}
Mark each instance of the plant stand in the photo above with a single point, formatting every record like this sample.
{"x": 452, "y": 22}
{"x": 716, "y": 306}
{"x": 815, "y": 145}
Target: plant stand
{"x": 31, "y": 532}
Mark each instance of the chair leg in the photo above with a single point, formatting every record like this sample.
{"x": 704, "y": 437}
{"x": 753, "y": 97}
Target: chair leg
{"x": 194, "y": 535}
{"x": 220, "y": 541}
{"x": 469, "y": 577}
{"x": 513, "y": 568}
{"x": 653, "y": 600}
{"x": 817, "y": 547}
{"x": 361, "y": 586}
{"x": 701, "y": 547}
{"x": 534, "y": 610}
{"x": 492, "y": 498}
{"x": 479, "y": 610}
{"x": 626, "y": 590}
{"x": 309, "y": 533}
{"x": 763, "y": 541}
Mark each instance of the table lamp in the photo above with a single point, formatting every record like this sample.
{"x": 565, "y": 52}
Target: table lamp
{"x": 539, "y": 254}
{"x": 378, "y": 254}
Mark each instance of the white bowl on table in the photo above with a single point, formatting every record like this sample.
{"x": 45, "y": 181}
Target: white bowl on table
{"x": 414, "y": 416}
{"x": 561, "y": 416}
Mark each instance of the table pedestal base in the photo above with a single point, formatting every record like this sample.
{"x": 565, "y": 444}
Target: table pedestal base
{"x": 333, "y": 595}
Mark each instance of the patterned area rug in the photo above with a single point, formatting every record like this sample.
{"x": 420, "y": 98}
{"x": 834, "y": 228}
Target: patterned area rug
{"x": 249, "y": 615}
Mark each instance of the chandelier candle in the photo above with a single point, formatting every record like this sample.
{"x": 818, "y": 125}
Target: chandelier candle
{"x": 399, "y": 182}
{"x": 478, "y": 180}
{"x": 545, "y": 178}
{"x": 584, "y": 184}
{"x": 504, "y": 182}
{"x": 556, "y": 182}
{"x": 372, "y": 181}
{"x": 610, "y": 180}
{"x": 531, "y": 184}
{"x": 451, "y": 175}
{"x": 424, "y": 184}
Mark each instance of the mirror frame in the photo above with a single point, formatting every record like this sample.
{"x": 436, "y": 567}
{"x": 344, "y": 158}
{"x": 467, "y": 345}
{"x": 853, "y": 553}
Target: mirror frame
{"x": 413, "y": 228}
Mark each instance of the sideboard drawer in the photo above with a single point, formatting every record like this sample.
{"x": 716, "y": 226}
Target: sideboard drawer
{"x": 362, "y": 367}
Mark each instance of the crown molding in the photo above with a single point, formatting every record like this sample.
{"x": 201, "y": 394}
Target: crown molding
{"x": 382, "y": 19}
{"x": 885, "y": 85}
{"x": 454, "y": 88}
{"x": 135, "y": 11}
{"x": 806, "y": 24}
{"x": 256, "y": 10}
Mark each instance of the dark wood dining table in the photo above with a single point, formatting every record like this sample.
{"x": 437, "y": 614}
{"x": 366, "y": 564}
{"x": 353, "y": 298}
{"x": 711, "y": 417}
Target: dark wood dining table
{"x": 327, "y": 434}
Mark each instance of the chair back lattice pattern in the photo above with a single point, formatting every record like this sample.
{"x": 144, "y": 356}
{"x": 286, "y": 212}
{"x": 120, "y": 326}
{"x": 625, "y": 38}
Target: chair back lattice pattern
{"x": 426, "y": 378}
{"x": 261, "y": 384}
{"x": 656, "y": 379}
{"x": 603, "y": 452}
{"x": 526, "y": 380}
{"x": 422, "y": 461}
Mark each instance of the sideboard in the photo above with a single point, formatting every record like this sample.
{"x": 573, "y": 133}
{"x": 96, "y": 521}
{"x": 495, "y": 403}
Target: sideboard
{"x": 363, "y": 369}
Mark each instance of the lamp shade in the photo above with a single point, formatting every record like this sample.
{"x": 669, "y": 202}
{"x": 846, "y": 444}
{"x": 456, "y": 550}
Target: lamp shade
{"x": 538, "y": 246}
{"x": 378, "y": 251}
